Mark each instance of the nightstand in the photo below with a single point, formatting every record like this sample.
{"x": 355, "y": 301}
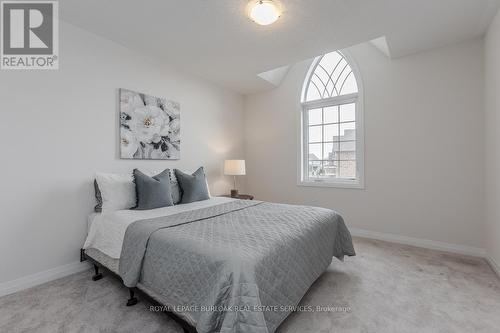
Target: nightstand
{"x": 240, "y": 196}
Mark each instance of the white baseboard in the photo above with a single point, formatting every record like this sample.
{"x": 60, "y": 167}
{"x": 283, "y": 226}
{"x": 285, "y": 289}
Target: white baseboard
{"x": 493, "y": 264}
{"x": 29, "y": 281}
{"x": 418, "y": 242}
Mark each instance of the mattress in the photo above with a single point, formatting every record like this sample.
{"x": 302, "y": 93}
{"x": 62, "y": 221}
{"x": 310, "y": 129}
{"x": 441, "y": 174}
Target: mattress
{"x": 107, "y": 229}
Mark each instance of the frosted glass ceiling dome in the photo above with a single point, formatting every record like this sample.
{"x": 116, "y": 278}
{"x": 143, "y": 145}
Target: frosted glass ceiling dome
{"x": 264, "y": 12}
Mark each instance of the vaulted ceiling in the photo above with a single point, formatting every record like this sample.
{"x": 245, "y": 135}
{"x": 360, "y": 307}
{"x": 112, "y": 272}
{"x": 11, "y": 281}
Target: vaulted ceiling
{"x": 216, "y": 40}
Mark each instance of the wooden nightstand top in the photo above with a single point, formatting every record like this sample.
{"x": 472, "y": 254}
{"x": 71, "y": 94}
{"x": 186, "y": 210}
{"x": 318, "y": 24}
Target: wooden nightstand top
{"x": 240, "y": 196}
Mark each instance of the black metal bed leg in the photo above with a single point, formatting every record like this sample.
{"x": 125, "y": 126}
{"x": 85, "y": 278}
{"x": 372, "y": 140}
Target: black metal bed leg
{"x": 132, "y": 300}
{"x": 83, "y": 257}
{"x": 97, "y": 275}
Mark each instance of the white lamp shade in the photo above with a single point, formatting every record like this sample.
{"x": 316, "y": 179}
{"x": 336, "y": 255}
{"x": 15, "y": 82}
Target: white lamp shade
{"x": 234, "y": 167}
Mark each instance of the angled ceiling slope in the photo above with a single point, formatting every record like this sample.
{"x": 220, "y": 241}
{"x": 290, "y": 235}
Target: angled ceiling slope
{"x": 382, "y": 45}
{"x": 275, "y": 76}
{"x": 214, "y": 39}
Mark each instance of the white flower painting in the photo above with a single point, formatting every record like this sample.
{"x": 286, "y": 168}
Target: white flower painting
{"x": 149, "y": 127}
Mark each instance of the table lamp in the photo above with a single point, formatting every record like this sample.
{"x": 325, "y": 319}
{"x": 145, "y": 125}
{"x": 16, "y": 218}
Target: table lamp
{"x": 234, "y": 168}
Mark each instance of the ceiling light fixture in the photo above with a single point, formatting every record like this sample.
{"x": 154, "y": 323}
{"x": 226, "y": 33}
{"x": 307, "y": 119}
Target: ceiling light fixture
{"x": 264, "y": 12}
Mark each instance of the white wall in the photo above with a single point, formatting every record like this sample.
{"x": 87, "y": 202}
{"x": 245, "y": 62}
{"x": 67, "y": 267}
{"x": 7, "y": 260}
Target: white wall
{"x": 492, "y": 136}
{"x": 423, "y": 153}
{"x": 57, "y": 128}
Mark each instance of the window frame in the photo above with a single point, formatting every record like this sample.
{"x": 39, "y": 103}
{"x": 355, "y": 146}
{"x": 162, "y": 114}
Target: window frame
{"x": 355, "y": 98}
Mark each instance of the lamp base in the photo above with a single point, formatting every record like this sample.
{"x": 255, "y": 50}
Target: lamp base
{"x": 234, "y": 193}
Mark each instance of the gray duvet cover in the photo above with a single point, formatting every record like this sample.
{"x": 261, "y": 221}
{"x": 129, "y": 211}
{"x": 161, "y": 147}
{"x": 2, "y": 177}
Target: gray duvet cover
{"x": 241, "y": 266}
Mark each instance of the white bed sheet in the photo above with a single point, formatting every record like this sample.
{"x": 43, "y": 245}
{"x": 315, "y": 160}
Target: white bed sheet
{"x": 107, "y": 230}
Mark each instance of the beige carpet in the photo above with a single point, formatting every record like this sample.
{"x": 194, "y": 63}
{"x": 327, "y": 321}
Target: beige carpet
{"x": 386, "y": 288}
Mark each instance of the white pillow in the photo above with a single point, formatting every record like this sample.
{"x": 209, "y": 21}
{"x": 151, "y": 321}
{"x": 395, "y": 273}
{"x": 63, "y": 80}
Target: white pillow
{"x": 117, "y": 191}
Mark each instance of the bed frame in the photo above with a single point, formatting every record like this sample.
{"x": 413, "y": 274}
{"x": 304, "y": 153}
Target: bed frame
{"x": 188, "y": 328}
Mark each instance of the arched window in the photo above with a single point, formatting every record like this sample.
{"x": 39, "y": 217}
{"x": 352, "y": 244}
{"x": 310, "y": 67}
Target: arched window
{"x": 332, "y": 123}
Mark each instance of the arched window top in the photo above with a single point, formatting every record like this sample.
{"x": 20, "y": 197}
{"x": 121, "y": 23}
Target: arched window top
{"x": 331, "y": 75}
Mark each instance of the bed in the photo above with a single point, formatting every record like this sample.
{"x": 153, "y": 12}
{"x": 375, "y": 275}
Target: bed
{"x": 222, "y": 265}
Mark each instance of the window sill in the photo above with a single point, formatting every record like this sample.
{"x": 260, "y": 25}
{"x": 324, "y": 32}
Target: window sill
{"x": 354, "y": 184}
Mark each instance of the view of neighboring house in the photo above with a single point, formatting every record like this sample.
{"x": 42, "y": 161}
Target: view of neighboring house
{"x": 341, "y": 160}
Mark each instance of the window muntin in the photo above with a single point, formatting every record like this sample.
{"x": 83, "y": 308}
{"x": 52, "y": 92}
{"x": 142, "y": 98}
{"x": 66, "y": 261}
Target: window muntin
{"x": 332, "y": 141}
{"x": 332, "y": 76}
{"x": 331, "y": 126}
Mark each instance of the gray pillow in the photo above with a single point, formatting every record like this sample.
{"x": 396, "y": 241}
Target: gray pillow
{"x": 152, "y": 192}
{"x": 194, "y": 187}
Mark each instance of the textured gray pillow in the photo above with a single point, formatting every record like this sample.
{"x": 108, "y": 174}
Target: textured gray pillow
{"x": 152, "y": 192}
{"x": 98, "y": 198}
{"x": 194, "y": 187}
{"x": 176, "y": 192}
{"x": 175, "y": 188}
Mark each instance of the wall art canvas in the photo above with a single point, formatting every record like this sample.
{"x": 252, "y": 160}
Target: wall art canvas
{"x": 149, "y": 127}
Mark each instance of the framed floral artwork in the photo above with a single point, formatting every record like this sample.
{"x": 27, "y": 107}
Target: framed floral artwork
{"x": 149, "y": 127}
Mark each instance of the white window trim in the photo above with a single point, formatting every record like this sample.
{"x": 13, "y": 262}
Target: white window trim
{"x": 359, "y": 182}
